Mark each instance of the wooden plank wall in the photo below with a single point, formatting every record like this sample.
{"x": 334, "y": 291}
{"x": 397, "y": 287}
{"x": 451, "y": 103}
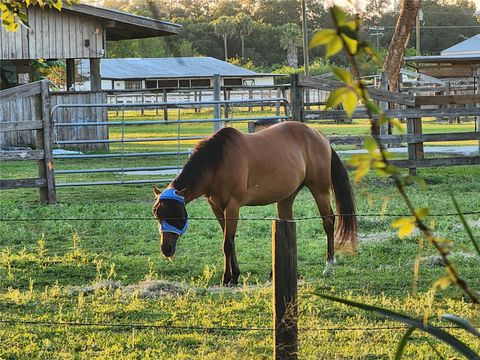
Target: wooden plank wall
{"x": 22, "y": 109}
{"x": 29, "y": 108}
{"x": 53, "y": 35}
{"x": 82, "y": 114}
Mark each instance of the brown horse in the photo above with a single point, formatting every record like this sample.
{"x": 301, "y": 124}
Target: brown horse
{"x": 232, "y": 169}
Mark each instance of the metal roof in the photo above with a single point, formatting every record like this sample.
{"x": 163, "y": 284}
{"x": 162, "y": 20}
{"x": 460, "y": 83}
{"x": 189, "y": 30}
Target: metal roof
{"x": 470, "y": 46}
{"x": 122, "y": 26}
{"x": 444, "y": 58}
{"x": 181, "y": 67}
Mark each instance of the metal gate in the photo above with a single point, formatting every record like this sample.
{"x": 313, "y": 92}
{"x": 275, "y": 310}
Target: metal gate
{"x": 130, "y": 158}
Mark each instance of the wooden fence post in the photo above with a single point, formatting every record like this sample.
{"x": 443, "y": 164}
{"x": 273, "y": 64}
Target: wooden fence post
{"x": 217, "y": 110}
{"x": 44, "y": 141}
{"x": 384, "y": 104}
{"x": 296, "y": 95}
{"x": 277, "y": 103}
{"x": 284, "y": 273}
{"x": 477, "y": 91}
{"x": 415, "y": 150}
{"x": 165, "y": 107}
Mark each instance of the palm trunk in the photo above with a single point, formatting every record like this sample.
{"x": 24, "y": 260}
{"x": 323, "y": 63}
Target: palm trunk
{"x": 394, "y": 59}
{"x": 225, "y": 47}
{"x": 242, "y": 37}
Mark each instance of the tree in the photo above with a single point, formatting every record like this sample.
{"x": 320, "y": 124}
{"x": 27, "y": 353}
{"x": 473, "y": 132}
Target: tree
{"x": 405, "y": 23}
{"x": 243, "y": 27}
{"x": 224, "y": 27}
{"x": 291, "y": 40}
{"x": 14, "y": 13}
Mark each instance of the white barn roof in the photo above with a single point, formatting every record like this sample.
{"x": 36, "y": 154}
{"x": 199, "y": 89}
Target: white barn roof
{"x": 181, "y": 67}
{"x": 469, "y": 47}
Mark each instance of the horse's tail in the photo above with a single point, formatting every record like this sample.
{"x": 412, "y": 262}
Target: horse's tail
{"x": 346, "y": 229}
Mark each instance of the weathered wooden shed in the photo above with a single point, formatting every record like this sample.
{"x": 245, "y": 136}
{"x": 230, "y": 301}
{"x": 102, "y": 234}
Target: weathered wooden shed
{"x": 79, "y": 31}
{"x": 459, "y": 61}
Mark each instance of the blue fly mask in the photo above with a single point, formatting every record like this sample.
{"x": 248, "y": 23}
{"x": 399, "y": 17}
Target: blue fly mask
{"x": 171, "y": 194}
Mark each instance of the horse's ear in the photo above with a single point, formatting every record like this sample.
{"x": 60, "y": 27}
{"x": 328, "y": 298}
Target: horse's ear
{"x": 182, "y": 192}
{"x": 156, "y": 190}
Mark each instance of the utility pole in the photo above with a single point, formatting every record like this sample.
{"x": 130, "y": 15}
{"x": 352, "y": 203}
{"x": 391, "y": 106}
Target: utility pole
{"x": 306, "y": 61}
{"x": 305, "y": 39}
{"x": 419, "y": 19}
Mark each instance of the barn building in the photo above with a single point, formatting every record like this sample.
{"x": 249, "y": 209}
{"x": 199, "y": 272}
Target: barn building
{"x": 79, "y": 31}
{"x": 461, "y": 61}
{"x": 182, "y": 72}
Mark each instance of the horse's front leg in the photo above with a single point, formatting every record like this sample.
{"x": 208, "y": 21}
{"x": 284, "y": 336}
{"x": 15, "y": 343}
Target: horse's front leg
{"x": 231, "y": 271}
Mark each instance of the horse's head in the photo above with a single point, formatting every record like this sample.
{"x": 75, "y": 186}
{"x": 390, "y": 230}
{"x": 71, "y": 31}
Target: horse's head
{"x": 169, "y": 209}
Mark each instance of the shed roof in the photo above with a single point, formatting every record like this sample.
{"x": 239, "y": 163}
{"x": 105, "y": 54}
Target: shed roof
{"x": 179, "y": 67}
{"x": 470, "y": 46}
{"x": 121, "y": 26}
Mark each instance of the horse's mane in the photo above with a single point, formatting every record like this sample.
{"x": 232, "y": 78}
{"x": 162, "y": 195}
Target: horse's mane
{"x": 207, "y": 155}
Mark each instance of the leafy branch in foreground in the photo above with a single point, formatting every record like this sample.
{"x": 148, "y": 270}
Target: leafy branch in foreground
{"x": 345, "y": 37}
{"x": 458, "y": 345}
{"x": 14, "y": 11}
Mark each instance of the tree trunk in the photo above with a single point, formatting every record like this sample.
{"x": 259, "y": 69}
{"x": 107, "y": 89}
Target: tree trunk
{"x": 292, "y": 56}
{"x": 242, "y": 37}
{"x": 225, "y": 47}
{"x": 394, "y": 59}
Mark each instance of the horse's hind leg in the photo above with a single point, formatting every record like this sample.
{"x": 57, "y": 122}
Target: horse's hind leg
{"x": 328, "y": 218}
{"x": 231, "y": 269}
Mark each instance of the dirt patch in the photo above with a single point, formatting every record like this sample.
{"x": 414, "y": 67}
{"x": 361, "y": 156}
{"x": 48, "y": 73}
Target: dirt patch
{"x": 436, "y": 260}
{"x": 98, "y": 286}
{"x": 154, "y": 289}
{"x": 373, "y": 237}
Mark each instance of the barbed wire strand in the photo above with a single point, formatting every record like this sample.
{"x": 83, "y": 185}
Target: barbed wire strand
{"x": 196, "y": 218}
{"x": 15, "y": 322}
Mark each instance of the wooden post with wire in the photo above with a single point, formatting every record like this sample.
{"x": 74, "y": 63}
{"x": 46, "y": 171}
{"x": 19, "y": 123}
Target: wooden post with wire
{"x": 284, "y": 275}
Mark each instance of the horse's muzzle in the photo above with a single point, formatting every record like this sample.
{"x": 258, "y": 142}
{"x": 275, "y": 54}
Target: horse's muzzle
{"x": 168, "y": 243}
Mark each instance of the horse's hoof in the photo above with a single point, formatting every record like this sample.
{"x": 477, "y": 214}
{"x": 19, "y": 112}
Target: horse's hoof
{"x": 329, "y": 269}
{"x": 232, "y": 284}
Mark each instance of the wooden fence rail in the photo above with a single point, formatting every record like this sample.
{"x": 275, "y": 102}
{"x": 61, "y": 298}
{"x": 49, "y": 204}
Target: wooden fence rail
{"x": 413, "y": 113}
{"x": 43, "y": 130}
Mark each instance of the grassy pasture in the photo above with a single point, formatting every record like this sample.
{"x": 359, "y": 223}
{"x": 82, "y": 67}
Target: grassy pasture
{"x": 107, "y": 270}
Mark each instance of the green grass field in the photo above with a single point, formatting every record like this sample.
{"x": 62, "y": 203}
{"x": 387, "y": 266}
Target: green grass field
{"x": 94, "y": 259}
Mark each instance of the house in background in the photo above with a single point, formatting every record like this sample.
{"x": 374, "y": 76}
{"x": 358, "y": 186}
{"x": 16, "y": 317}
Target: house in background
{"x": 461, "y": 61}
{"x": 182, "y": 72}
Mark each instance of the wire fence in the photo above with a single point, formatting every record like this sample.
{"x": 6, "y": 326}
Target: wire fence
{"x": 197, "y": 218}
{"x": 208, "y": 329}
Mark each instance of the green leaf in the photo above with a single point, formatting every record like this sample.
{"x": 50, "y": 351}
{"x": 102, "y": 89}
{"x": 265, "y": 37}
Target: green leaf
{"x": 58, "y": 5}
{"x": 322, "y": 37}
{"x": 464, "y": 324}
{"x": 442, "y": 283}
{"x": 343, "y": 75}
{"x": 447, "y": 338}
{"x": 335, "y": 97}
{"x": 371, "y": 145}
{"x": 405, "y": 226}
{"x": 422, "y": 213}
{"x": 339, "y": 15}
{"x": 334, "y": 46}
{"x": 352, "y": 44}
{"x": 372, "y": 107}
{"x": 403, "y": 342}
{"x": 349, "y": 102}
{"x": 466, "y": 226}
